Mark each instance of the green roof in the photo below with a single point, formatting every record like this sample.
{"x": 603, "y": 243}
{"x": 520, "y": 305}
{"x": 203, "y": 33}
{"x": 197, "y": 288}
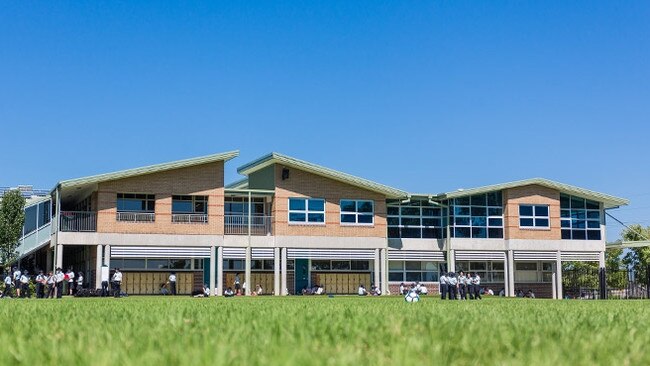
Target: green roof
{"x": 607, "y": 200}
{"x": 276, "y": 158}
{"x": 240, "y": 184}
{"x": 148, "y": 169}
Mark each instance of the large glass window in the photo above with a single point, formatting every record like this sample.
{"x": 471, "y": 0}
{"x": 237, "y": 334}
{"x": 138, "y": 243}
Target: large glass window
{"x": 156, "y": 264}
{"x": 412, "y": 271}
{"x": 533, "y": 272}
{"x": 416, "y": 219}
{"x": 238, "y": 206}
{"x": 477, "y": 216}
{"x": 359, "y": 212}
{"x": 189, "y": 204}
{"x": 534, "y": 216}
{"x": 135, "y": 202}
{"x": 306, "y": 211}
{"x": 30, "y": 219}
{"x": 340, "y": 265}
{"x": 489, "y": 271}
{"x": 580, "y": 218}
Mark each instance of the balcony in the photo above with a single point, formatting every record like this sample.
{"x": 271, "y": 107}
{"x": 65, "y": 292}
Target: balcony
{"x": 239, "y": 224}
{"x": 190, "y": 218}
{"x": 78, "y": 221}
{"x": 136, "y": 216}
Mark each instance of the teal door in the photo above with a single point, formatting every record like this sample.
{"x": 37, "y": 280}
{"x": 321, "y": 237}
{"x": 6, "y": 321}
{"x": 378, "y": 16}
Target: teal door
{"x": 302, "y": 274}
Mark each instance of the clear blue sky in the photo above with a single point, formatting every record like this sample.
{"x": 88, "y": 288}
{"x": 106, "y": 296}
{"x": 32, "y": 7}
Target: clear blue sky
{"x": 424, "y": 96}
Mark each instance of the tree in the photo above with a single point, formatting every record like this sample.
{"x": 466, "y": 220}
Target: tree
{"x": 637, "y": 259}
{"x": 12, "y": 219}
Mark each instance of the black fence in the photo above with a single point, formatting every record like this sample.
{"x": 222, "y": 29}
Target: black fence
{"x": 593, "y": 283}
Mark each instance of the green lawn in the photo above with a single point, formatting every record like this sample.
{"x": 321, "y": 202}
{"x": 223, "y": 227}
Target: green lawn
{"x": 307, "y": 330}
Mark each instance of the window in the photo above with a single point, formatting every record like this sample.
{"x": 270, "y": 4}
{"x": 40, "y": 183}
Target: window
{"x": 412, "y": 271}
{"x": 417, "y": 219}
{"x": 240, "y": 265}
{"x": 306, "y": 211}
{"x": 189, "y": 204}
{"x": 357, "y": 212}
{"x": 489, "y": 271}
{"x": 340, "y": 265}
{"x": 133, "y": 202}
{"x": 534, "y": 216}
{"x": 531, "y": 272}
{"x": 579, "y": 218}
{"x": 238, "y": 206}
{"x": 477, "y": 216}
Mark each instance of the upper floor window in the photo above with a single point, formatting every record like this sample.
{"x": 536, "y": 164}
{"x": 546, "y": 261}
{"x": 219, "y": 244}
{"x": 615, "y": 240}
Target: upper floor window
{"x": 189, "y": 204}
{"x": 238, "y": 206}
{"x": 306, "y": 210}
{"x": 534, "y": 216}
{"x": 478, "y": 216}
{"x": 580, "y": 218}
{"x": 136, "y": 207}
{"x": 357, "y": 212}
{"x": 416, "y": 219}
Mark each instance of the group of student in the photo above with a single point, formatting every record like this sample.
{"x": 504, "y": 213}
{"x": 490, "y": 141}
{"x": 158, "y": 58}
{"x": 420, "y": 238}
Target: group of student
{"x": 455, "y": 286}
{"x": 48, "y": 285}
{"x": 374, "y": 290}
{"x": 415, "y": 287}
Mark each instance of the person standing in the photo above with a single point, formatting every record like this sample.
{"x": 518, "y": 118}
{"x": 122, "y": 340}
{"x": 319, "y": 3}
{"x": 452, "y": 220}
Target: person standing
{"x": 476, "y": 282}
{"x": 443, "y": 286}
{"x": 60, "y": 278}
{"x": 80, "y": 281}
{"x": 237, "y": 285}
{"x": 104, "y": 281}
{"x": 462, "y": 289}
{"x": 117, "y": 282}
{"x": 51, "y": 285}
{"x": 70, "y": 275}
{"x": 8, "y": 283}
{"x": 16, "y": 280}
{"x": 172, "y": 283}
{"x": 469, "y": 286}
{"x": 40, "y": 285}
{"x": 453, "y": 286}
{"x": 24, "y": 285}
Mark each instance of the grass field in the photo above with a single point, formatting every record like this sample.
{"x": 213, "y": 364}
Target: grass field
{"x": 307, "y": 330}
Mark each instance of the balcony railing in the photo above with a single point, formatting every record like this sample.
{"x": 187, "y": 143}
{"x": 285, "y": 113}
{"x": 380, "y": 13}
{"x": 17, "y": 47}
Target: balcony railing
{"x": 190, "y": 218}
{"x": 78, "y": 221}
{"x": 136, "y": 216}
{"x": 238, "y": 225}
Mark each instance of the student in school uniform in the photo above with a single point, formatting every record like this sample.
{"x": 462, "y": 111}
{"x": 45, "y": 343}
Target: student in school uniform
{"x": 40, "y": 285}
{"x": 24, "y": 285}
{"x": 469, "y": 286}
{"x": 362, "y": 291}
{"x": 452, "y": 286}
{"x": 105, "y": 278}
{"x": 16, "y": 280}
{"x": 80, "y": 281}
{"x": 237, "y": 284}
{"x": 476, "y": 282}
{"x": 51, "y": 285}
{"x": 229, "y": 292}
{"x": 117, "y": 282}
{"x": 8, "y": 283}
{"x": 172, "y": 283}
{"x": 443, "y": 286}
{"x": 462, "y": 285}
{"x": 71, "y": 283}
{"x": 402, "y": 288}
{"x": 60, "y": 277}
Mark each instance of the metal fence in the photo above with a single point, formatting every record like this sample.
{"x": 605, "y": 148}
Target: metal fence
{"x": 238, "y": 225}
{"x": 593, "y": 283}
{"x": 78, "y": 221}
{"x": 136, "y": 216}
{"x": 190, "y": 218}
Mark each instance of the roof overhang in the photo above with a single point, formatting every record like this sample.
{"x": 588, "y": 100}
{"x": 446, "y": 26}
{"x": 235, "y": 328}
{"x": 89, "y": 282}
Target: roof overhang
{"x": 276, "y": 158}
{"x": 607, "y": 200}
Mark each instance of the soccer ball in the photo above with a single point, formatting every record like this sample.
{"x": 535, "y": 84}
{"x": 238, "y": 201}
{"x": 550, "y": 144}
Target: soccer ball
{"x": 412, "y": 297}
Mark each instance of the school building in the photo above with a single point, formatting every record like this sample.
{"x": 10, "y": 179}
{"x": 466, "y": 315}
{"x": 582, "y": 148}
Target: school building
{"x": 290, "y": 224}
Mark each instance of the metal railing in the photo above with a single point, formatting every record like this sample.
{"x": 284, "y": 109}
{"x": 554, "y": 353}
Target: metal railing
{"x": 78, "y": 221}
{"x": 238, "y": 225}
{"x": 136, "y": 216}
{"x": 190, "y": 218}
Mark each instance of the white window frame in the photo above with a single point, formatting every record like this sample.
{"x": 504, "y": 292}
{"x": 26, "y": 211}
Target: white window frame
{"x": 356, "y": 213}
{"x": 306, "y": 211}
{"x": 534, "y": 217}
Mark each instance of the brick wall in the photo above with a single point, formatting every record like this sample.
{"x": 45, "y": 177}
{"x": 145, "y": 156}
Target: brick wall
{"x": 304, "y": 184}
{"x": 205, "y": 180}
{"x": 541, "y": 290}
{"x": 532, "y": 194}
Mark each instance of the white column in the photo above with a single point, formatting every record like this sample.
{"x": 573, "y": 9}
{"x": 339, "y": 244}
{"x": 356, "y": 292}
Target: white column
{"x": 511, "y": 273}
{"x": 107, "y": 256}
{"x": 247, "y": 273}
{"x": 377, "y": 270}
{"x": 451, "y": 266}
{"x": 59, "y": 256}
{"x": 213, "y": 259}
{"x": 283, "y": 283}
{"x": 554, "y": 283}
{"x": 276, "y": 272}
{"x": 98, "y": 267}
{"x": 506, "y": 276}
{"x": 219, "y": 285}
{"x": 601, "y": 259}
{"x": 558, "y": 277}
{"x": 383, "y": 260}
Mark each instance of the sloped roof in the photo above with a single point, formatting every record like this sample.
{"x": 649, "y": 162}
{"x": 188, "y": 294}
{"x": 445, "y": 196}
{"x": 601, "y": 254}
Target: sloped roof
{"x": 276, "y": 158}
{"x": 608, "y": 200}
{"x": 148, "y": 169}
{"x": 239, "y": 184}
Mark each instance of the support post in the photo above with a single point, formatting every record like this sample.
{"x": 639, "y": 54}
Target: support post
{"x": 558, "y": 270}
{"x": 276, "y": 272}
{"x": 506, "y": 276}
{"x": 48, "y": 260}
{"x": 98, "y": 267}
{"x": 383, "y": 260}
{"x": 247, "y": 273}
{"x": 554, "y": 283}
{"x": 59, "y": 256}
{"x": 377, "y": 271}
{"x": 219, "y": 271}
{"x": 283, "y": 284}
{"x": 451, "y": 265}
{"x": 213, "y": 288}
{"x": 511, "y": 273}
{"x": 107, "y": 256}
